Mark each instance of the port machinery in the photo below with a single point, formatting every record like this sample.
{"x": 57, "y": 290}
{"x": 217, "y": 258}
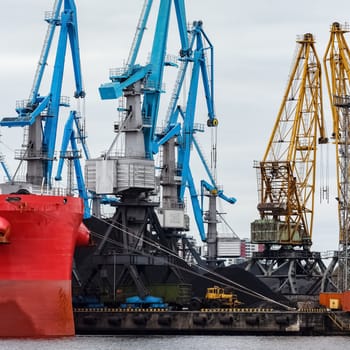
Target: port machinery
{"x": 286, "y": 184}
{"x": 286, "y": 193}
{"x": 40, "y": 114}
{"x": 32, "y": 112}
{"x": 337, "y": 68}
{"x": 43, "y": 218}
{"x": 142, "y": 235}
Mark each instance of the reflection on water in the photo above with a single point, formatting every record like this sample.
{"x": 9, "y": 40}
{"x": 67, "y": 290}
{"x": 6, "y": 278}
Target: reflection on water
{"x": 178, "y": 343}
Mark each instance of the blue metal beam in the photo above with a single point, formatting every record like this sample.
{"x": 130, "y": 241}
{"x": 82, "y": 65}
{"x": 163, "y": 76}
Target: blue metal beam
{"x": 115, "y": 89}
{"x": 182, "y": 25}
{"x": 139, "y": 35}
{"x": 45, "y": 109}
{"x": 151, "y": 99}
{"x": 197, "y": 211}
{"x": 200, "y": 65}
{"x": 70, "y": 138}
{"x": 53, "y": 22}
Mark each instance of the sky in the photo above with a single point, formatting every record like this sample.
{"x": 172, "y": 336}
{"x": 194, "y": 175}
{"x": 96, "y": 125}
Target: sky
{"x": 254, "y": 43}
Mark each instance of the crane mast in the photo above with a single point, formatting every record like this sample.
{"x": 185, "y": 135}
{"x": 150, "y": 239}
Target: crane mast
{"x": 176, "y": 175}
{"x": 286, "y": 184}
{"x": 337, "y": 67}
{"x": 39, "y": 115}
{"x": 287, "y": 171}
{"x": 127, "y": 175}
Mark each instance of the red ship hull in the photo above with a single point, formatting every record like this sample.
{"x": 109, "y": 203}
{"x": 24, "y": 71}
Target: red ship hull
{"x": 38, "y": 235}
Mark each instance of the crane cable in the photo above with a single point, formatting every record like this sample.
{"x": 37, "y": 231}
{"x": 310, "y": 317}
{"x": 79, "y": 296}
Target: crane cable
{"x": 231, "y": 283}
{"x": 158, "y": 246}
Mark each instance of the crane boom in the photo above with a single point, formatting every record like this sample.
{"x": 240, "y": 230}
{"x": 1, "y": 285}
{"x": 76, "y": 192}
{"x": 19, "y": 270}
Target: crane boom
{"x": 151, "y": 75}
{"x": 40, "y": 114}
{"x": 287, "y": 172}
{"x": 53, "y": 20}
{"x": 202, "y": 66}
{"x": 140, "y": 29}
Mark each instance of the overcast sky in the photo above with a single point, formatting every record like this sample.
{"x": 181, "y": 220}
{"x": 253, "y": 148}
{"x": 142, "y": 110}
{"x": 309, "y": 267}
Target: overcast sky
{"x": 254, "y": 45}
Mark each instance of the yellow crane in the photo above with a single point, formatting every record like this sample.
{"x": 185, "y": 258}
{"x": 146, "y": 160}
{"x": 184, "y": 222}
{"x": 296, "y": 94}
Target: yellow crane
{"x": 286, "y": 174}
{"x": 337, "y": 67}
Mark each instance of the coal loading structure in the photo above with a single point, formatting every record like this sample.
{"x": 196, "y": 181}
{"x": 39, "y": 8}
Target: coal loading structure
{"x": 142, "y": 262}
{"x": 142, "y": 249}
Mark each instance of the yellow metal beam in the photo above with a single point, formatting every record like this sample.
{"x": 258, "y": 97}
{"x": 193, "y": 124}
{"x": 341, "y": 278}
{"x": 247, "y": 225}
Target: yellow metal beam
{"x": 287, "y": 171}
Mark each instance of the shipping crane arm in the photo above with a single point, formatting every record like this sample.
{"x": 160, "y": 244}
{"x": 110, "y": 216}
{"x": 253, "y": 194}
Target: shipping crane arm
{"x": 69, "y": 137}
{"x": 189, "y": 128}
{"x": 68, "y": 31}
{"x": 202, "y": 66}
{"x": 151, "y": 74}
{"x": 214, "y": 190}
{"x": 286, "y": 175}
{"x": 42, "y": 112}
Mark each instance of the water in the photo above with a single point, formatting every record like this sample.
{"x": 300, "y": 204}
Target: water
{"x": 178, "y": 343}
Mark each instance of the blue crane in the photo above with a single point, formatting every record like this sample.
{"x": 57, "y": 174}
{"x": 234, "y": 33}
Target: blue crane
{"x": 200, "y": 47}
{"x": 40, "y": 113}
{"x": 70, "y": 137}
{"x": 129, "y": 173}
{"x": 129, "y": 176}
{"x": 152, "y": 73}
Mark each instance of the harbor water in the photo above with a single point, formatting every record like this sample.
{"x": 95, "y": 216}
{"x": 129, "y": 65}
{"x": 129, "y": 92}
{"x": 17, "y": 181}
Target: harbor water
{"x": 178, "y": 343}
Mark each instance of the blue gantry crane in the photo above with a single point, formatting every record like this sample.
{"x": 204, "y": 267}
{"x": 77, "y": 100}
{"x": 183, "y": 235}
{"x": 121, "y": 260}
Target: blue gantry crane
{"x": 130, "y": 175}
{"x": 201, "y": 59}
{"x": 151, "y": 74}
{"x": 140, "y": 85}
{"x": 39, "y": 115}
{"x": 73, "y": 131}
{"x": 128, "y": 172}
{"x": 5, "y": 168}
{"x": 140, "y": 241}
